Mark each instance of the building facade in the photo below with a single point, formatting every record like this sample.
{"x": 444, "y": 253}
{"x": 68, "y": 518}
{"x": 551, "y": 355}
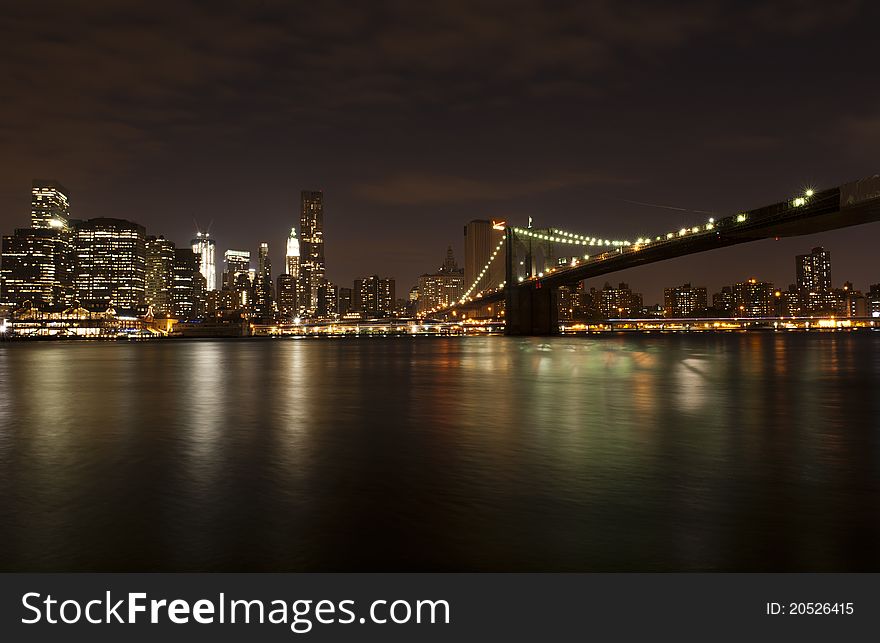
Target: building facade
{"x": 441, "y": 288}
{"x": 110, "y": 264}
{"x": 684, "y": 301}
{"x": 206, "y": 249}
{"x": 753, "y": 298}
{"x": 311, "y": 265}
{"x": 159, "y": 275}
{"x": 374, "y": 296}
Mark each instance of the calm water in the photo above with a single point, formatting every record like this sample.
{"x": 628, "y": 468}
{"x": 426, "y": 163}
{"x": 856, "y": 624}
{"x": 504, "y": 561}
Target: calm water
{"x": 674, "y": 452}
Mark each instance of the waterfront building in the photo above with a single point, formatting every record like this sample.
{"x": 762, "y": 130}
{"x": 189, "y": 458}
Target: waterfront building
{"x": 36, "y": 266}
{"x": 159, "y": 275}
{"x": 814, "y": 282}
{"x": 344, "y": 303}
{"x": 684, "y": 301}
{"x": 723, "y": 302}
{"x": 787, "y": 303}
{"x": 374, "y": 296}
{"x": 311, "y": 263}
{"x": 205, "y": 248}
{"x": 618, "y": 302}
{"x": 753, "y": 298}
{"x": 264, "y": 309}
{"x": 872, "y": 301}
{"x": 285, "y": 297}
{"x": 110, "y": 264}
{"x": 441, "y": 288}
{"x": 36, "y": 263}
{"x": 328, "y": 306}
{"x": 186, "y": 284}
{"x": 571, "y": 301}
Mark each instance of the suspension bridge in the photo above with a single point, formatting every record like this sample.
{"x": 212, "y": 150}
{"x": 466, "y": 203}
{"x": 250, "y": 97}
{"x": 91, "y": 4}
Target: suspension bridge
{"x": 538, "y": 261}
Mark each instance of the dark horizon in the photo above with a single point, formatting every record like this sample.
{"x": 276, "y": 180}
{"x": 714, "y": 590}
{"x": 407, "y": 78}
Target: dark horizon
{"x": 415, "y": 120}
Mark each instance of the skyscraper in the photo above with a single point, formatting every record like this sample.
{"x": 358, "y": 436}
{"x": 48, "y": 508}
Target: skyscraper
{"x": 291, "y": 262}
{"x": 285, "y": 297}
{"x": 35, "y": 266}
{"x": 373, "y": 296}
{"x": 238, "y": 262}
{"x": 814, "y": 271}
{"x": 814, "y": 281}
{"x": 184, "y": 285}
{"x": 312, "y": 268}
{"x": 110, "y": 266}
{"x": 36, "y": 263}
{"x": 263, "y": 304}
{"x": 160, "y": 274}
{"x": 50, "y": 205}
{"x": 205, "y": 247}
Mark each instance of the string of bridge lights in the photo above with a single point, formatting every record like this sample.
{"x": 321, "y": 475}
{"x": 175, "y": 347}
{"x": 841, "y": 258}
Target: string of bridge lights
{"x": 482, "y": 272}
{"x": 556, "y": 235}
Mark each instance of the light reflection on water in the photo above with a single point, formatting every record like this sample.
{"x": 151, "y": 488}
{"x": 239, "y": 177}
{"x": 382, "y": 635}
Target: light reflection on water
{"x": 674, "y": 452}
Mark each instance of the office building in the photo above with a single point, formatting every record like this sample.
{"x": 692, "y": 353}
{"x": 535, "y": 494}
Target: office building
{"x": 684, "y": 301}
{"x": 328, "y": 306}
{"x": 205, "y": 248}
{"x": 374, "y": 296}
{"x": 50, "y": 205}
{"x": 159, "y": 275}
{"x": 753, "y": 298}
{"x": 285, "y": 297}
{"x": 618, "y": 302}
{"x": 263, "y": 308}
{"x": 311, "y": 263}
{"x": 186, "y": 284}
{"x": 110, "y": 264}
{"x": 236, "y": 263}
{"x": 441, "y": 288}
{"x": 36, "y": 267}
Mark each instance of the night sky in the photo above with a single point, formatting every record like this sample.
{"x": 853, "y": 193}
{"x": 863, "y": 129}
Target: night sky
{"x": 415, "y": 117}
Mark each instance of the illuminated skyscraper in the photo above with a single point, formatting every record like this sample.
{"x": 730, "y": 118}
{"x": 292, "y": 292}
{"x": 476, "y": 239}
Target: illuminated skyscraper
{"x": 184, "y": 284}
{"x": 50, "y": 205}
{"x": 285, "y": 297}
{"x": 814, "y": 280}
{"x": 36, "y": 264}
{"x": 291, "y": 262}
{"x": 160, "y": 274}
{"x": 263, "y": 304}
{"x": 110, "y": 266}
{"x": 205, "y": 247}
{"x": 238, "y": 262}
{"x": 312, "y": 268}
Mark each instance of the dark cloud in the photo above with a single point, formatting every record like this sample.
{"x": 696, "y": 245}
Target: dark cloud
{"x": 411, "y": 188}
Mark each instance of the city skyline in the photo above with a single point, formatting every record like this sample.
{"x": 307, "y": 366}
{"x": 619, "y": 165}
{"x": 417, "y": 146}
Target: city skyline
{"x": 212, "y": 266}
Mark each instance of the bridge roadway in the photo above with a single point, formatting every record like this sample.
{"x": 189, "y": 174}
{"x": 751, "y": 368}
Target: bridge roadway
{"x": 530, "y": 301}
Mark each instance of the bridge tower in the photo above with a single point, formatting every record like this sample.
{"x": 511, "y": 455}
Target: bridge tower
{"x": 530, "y": 308}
